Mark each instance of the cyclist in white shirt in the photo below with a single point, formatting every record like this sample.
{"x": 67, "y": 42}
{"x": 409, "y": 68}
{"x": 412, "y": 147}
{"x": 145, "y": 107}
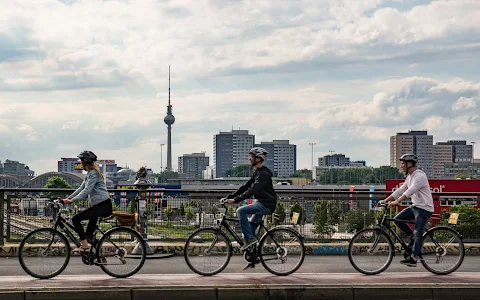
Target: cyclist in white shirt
{"x": 417, "y": 188}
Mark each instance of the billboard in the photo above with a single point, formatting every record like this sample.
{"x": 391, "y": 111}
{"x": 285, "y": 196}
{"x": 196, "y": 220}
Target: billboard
{"x": 444, "y": 185}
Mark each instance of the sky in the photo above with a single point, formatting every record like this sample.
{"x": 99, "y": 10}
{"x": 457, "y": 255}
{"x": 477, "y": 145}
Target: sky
{"x": 345, "y": 75}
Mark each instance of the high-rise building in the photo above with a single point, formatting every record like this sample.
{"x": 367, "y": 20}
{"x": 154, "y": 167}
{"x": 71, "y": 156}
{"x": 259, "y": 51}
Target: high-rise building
{"x": 417, "y": 142}
{"x": 69, "y": 164}
{"x": 230, "y": 149}
{"x": 442, "y": 154}
{"x": 191, "y": 166}
{"x": 282, "y": 157}
{"x": 450, "y": 154}
{"x": 334, "y": 160}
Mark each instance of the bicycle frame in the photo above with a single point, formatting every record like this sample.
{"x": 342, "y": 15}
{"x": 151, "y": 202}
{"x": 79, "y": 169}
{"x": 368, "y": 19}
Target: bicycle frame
{"x": 67, "y": 228}
{"x": 223, "y": 224}
{"x": 385, "y": 223}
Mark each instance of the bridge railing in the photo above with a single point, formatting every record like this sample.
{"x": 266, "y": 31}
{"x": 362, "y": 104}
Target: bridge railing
{"x": 324, "y": 216}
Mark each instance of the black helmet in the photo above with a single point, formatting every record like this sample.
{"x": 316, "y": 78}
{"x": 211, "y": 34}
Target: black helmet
{"x": 87, "y": 157}
{"x": 259, "y": 152}
{"x": 409, "y": 157}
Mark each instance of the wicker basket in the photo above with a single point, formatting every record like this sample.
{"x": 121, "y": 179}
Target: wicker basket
{"x": 125, "y": 219}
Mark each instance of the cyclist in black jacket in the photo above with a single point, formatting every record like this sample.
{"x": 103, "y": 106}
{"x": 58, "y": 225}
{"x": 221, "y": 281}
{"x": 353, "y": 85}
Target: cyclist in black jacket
{"x": 260, "y": 186}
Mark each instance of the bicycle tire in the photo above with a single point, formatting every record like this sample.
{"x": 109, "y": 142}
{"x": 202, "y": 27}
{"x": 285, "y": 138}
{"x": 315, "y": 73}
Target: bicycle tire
{"x": 380, "y": 232}
{"x": 52, "y": 232}
{"x": 461, "y": 250}
{"x": 261, "y": 249}
{"x": 141, "y": 243}
{"x": 187, "y": 250}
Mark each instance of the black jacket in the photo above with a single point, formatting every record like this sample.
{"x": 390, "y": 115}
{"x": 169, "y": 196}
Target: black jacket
{"x": 260, "y": 186}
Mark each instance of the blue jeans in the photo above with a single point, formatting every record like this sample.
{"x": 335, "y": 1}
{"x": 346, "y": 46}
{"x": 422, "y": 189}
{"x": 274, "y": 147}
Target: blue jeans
{"x": 421, "y": 217}
{"x": 258, "y": 210}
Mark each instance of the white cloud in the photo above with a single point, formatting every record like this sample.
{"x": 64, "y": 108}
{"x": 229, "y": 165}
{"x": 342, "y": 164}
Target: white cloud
{"x": 464, "y": 103}
{"x": 4, "y": 129}
{"x": 345, "y": 74}
{"x": 24, "y": 128}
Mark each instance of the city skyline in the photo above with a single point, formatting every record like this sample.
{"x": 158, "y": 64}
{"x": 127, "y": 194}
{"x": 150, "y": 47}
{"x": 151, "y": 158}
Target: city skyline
{"x": 349, "y": 75}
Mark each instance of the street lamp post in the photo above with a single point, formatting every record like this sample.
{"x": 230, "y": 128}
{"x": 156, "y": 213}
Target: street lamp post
{"x": 313, "y": 173}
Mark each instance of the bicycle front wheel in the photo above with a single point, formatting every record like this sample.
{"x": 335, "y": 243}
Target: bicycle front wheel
{"x": 207, "y": 251}
{"x": 44, "y": 253}
{"x": 121, "y": 252}
{"x": 370, "y": 251}
{"x": 442, "y": 251}
{"x": 281, "y": 251}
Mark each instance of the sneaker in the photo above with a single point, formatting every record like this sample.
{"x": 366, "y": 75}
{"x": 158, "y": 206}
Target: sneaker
{"x": 411, "y": 262}
{"x": 248, "y": 243}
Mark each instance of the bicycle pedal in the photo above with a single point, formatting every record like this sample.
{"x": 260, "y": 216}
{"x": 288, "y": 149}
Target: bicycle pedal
{"x": 249, "y": 265}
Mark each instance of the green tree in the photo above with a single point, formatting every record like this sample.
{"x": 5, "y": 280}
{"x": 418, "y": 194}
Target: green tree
{"x": 182, "y": 210}
{"x": 57, "y": 182}
{"x": 296, "y": 207}
{"x": 165, "y": 176}
{"x": 326, "y": 215}
{"x": 304, "y": 173}
{"x": 168, "y": 211}
{"x": 189, "y": 212}
{"x": 357, "y": 220}
{"x": 131, "y": 207}
{"x": 230, "y": 211}
{"x": 239, "y": 171}
{"x": 280, "y": 211}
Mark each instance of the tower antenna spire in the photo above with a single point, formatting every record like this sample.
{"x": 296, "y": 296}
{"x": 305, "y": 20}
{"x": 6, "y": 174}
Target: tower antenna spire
{"x": 168, "y": 84}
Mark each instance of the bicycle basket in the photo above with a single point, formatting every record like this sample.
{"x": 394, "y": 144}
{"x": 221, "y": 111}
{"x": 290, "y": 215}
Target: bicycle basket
{"x": 125, "y": 219}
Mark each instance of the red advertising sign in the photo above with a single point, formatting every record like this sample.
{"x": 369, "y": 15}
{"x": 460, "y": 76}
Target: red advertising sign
{"x": 445, "y": 185}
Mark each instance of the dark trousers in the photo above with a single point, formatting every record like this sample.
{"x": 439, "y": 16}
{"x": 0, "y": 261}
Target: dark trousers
{"x": 102, "y": 209}
{"x": 421, "y": 217}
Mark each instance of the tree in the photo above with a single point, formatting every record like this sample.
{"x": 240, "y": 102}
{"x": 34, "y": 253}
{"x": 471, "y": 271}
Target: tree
{"x": 189, "y": 212}
{"x": 326, "y": 215}
{"x": 164, "y": 176}
{"x": 230, "y": 211}
{"x": 168, "y": 212}
{"x": 304, "y": 173}
{"x": 357, "y": 220}
{"x": 182, "y": 210}
{"x": 280, "y": 211}
{"x": 346, "y": 176}
{"x": 239, "y": 171}
{"x": 57, "y": 182}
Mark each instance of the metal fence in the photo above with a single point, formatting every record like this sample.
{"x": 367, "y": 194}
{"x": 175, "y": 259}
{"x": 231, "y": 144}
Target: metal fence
{"x": 325, "y": 216}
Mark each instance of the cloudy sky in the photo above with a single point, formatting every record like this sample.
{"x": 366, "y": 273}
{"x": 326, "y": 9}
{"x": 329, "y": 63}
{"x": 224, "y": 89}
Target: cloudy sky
{"x": 93, "y": 74}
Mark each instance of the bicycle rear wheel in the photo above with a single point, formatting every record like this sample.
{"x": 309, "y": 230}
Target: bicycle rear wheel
{"x": 370, "y": 251}
{"x": 281, "y": 251}
{"x": 207, "y": 251}
{"x": 121, "y": 252}
{"x": 44, "y": 253}
{"x": 443, "y": 250}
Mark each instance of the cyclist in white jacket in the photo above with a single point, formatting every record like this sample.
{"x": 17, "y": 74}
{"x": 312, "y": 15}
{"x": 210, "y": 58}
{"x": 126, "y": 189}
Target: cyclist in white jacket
{"x": 417, "y": 188}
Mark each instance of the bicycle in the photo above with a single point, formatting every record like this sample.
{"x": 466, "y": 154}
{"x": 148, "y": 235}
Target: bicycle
{"x": 50, "y": 246}
{"x": 381, "y": 247}
{"x": 213, "y": 242}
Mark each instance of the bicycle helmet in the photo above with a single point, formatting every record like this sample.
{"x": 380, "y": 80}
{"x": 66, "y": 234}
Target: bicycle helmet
{"x": 87, "y": 157}
{"x": 409, "y": 157}
{"x": 259, "y": 152}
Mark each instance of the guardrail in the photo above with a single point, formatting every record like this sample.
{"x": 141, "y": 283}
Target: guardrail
{"x": 326, "y": 216}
